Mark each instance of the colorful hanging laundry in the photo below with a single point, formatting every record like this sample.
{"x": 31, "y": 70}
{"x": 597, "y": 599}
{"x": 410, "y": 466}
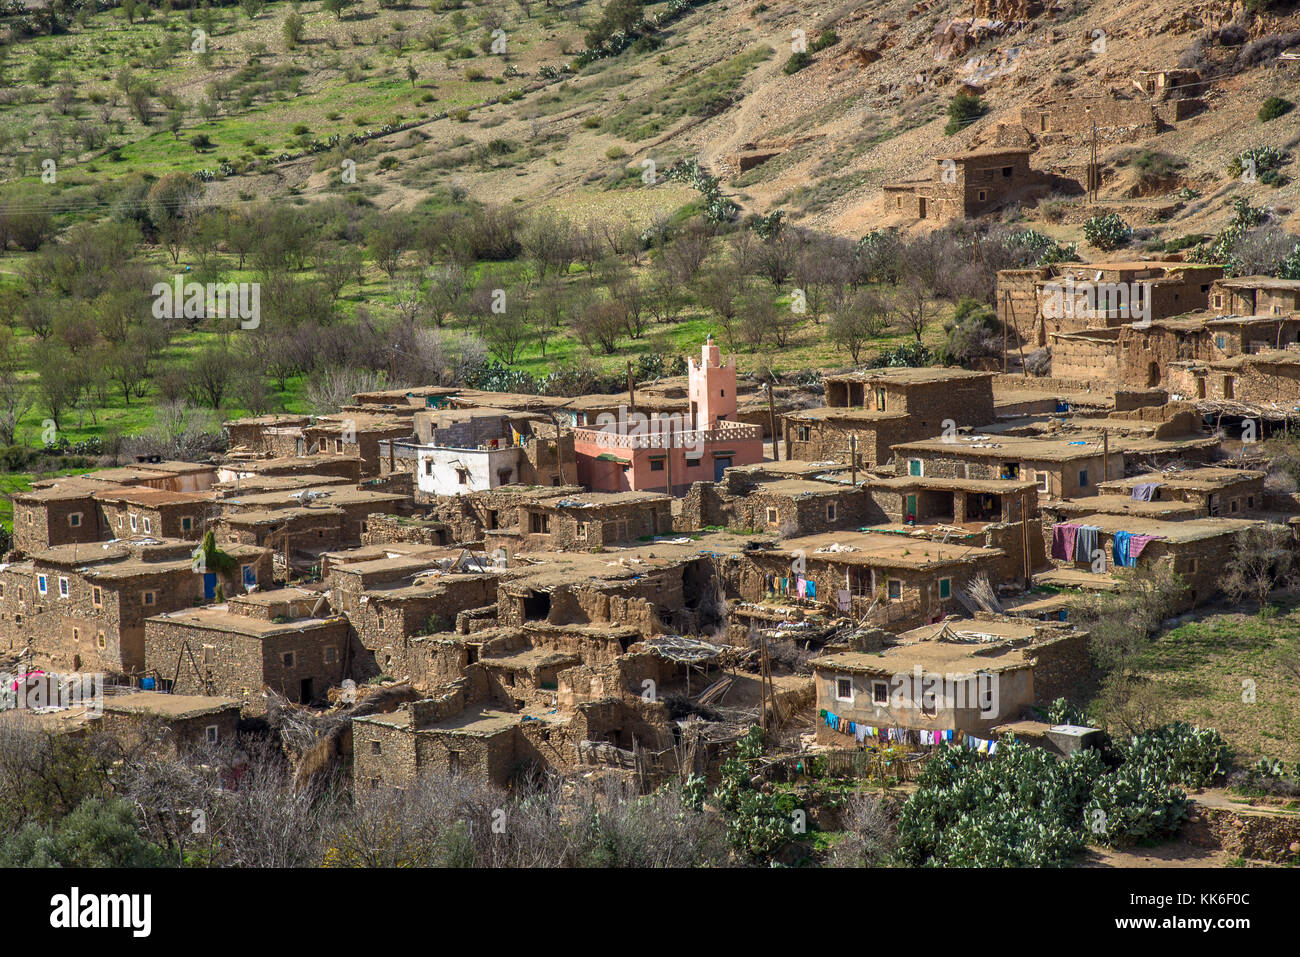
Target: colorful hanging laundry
{"x": 1063, "y": 536}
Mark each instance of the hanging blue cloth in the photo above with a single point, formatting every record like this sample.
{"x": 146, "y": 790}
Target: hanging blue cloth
{"x": 1120, "y": 549}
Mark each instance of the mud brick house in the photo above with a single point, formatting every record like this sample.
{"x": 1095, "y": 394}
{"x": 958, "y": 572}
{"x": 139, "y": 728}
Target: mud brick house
{"x": 1171, "y": 84}
{"x": 390, "y": 602}
{"x": 963, "y": 185}
{"x": 658, "y": 454}
{"x": 354, "y": 435}
{"x": 894, "y": 580}
{"x": 83, "y": 607}
{"x": 300, "y": 533}
{"x": 592, "y": 520}
{"x": 931, "y": 500}
{"x": 789, "y": 505}
{"x": 285, "y": 640}
{"x": 1198, "y": 550}
{"x": 192, "y": 722}
{"x": 236, "y": 474}
{"x": 65, "y": 510}
{"x": 1043, "y": 301}
{"x": 879, "y": 408}
{"x": 1064, "y": 467}
{"x": 354, "y": 504}
{"x": 961, "y": 675}
{"x": 60, "y": 514}
{"x": 1067, "y": 510}
{"x": 1263, "y": 384}
{"x": 1255, "y": 296}
{"x": 260, "y": 434}
{"x": 1117, "y": 118}
{"x": 128, "y": 512}
{"x": 1175, "y": 353}
{"x": 1209, "y": 491}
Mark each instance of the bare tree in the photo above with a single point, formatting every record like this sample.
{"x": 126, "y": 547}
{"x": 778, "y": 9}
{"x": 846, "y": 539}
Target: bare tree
{"x": 1261, "y": 562}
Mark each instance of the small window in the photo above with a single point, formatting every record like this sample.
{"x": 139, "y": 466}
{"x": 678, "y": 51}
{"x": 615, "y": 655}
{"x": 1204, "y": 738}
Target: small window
{"x": 213, "y": 733}
{"x": 772, "y": 516}
{"x": 1250, "y": 503}
{"x": 830, "y": 511}
{"x": 803, "y": 433}
{"x": 187, "y": 523}
{"x": 76, "y": 634}
{"x": 135, "y": 523}
{"x": 331, "y": 655}
{"x": 894, "y": 588}
{"x": 1193, "y": 565}
{"x": 692, "y": 461}
{"x": 119, "y": 521}
{"x": 462, "y": 476}
{"x": 583, "y": 529}
{"x": 75, "y": 519}
{"x": 656, "y": 465}
{"x": 2, "y": 591}
{"x": 1045, "y": 482}
{"x": 843, "y": 689}
{"x": 148, "y": 525}
{"x": 722, "y": 392}
{"x": 428, "y": 466}
{"x": 63, "y": 583}
{"x": 945, "y": 587}
{"x": 287, "y": 659}
{"x": 1006, "y": 172}
{"x": 915, "y": 467}
{"x": 1221, "y": 342}
{"x": 1083, "y": 478}
{"x": 96, "y": 597}
{"x": 376, "y": 747}
{"x": 41, "y": 584}
{"x": 879, "y": 692}
{"x": 880, "y": 400}
{"x": 1232, "y": 506}
{"x": 1218, "y": 302}
{"x": 983, "y": 195}
{"x": 148, "y": 598}
{"x": 100, "y": 641}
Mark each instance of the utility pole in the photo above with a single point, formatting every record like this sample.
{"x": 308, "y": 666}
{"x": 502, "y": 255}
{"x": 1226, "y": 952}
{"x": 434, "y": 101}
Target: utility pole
{"x": 771, "y": 413}
{"x": 1093, "y": 173}
{"x": 631, "y": 388}
{"x": 668, "y": 463}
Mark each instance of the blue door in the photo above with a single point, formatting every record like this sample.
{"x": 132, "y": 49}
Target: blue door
{"x": 720, "y": 466}
{"x": 209, "y": 585}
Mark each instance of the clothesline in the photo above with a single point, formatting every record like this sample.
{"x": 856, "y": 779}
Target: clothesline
{"x": 916, "y": 737}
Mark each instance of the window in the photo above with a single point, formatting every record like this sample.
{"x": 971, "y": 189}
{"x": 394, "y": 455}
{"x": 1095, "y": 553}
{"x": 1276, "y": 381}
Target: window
{"x": 1218, "y": 302}
{"x": 187, "y": 523}
{"x": 338, "y": 446}
{"x": 539, "y": 524}
{"x": 583, "y": 528}
{"x": 376, "y": 748}
{"x": 96, "y": 597}
{"x": 2, "y": 591}
{"x": 1193, "y": 565}
{"x": 656, "y": 465}
{"x": 75, "y": 519}
{"x": 843, "y": 689}
{"x": 213, "y": 733}
{"x": 879, "y": 692}
{"x": 1045, "y": 482}
{"x": 830, "y": 511}
{"x": 100, "y": 641}
{"x": 945, "y": 587}
{"x": 135, "y": 524}
{"x": 428, "y": 466}
{"x": 1220, "y": 342}
{"x": 983, "y": 195}
{"x": 1232, "y": 506}
{"x": 331, "y": 655}
{"x": 207, "y": 654}
{"x": 880, "y": 400}
{"x": 76, "y": 634}
{"x": 287, "y": 659}
{"x": 772, "y": 516}
{"x": 41, "y": 585}
{"x": 1006, "y": 172}
{"x": 148, "y": 525}
{"x": 119, "y": 521}
{"x": 915, "y": 467}
{"x": 722, "y": 392}
{"x": 1250, "y": 503}
{"x": 692, "y": 461}
{"x": 63, "y": 583}
{"x": 148, "y": 598}
{"x": 462, "y": 476}
{"x": 1083, "y": 478}
{"x": 894, "y": 588}
{"x": 803, "y": 433}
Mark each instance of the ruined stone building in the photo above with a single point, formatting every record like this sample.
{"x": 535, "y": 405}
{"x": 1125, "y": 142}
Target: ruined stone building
{"x": 963, "y": 185}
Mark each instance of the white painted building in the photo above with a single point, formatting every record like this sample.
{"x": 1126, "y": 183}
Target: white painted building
{"x": 447, "y": 471}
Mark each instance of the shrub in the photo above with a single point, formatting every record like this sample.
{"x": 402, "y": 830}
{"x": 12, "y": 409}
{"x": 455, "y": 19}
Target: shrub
{"x": 797, "y": 62}
{"x": 1181, "y": 753}
{"x": 963, "y": 110}
{"x": 1107, "y": 232}
{"x": 1135, "y": 805}
{"x": 1274, "y": 107}
{"x": 827, "y": 38}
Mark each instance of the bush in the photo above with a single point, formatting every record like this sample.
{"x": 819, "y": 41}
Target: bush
{"x": 797, "y": 62}
{"x": 911, "y": 354}
{"x": 1107, "y": 232}
{"x": 827, "y": 38}
{"x": 963, "y": 110}
{"x": 973, "y": 332}
{"x": 1135, "y": 805}
{"x": 1274, "y": 107}
{"x": 1182, "y": 754}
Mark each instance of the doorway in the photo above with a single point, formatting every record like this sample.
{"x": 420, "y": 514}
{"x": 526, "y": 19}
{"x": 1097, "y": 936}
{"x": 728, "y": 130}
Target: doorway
{"x": 305, "y": 691}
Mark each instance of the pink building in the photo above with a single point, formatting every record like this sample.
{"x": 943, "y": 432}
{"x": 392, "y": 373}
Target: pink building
{"x": 668, "y": 452}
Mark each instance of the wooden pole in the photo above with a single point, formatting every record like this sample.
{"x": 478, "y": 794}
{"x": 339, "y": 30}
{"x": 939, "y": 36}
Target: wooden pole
{"x": 771, "y": 413}
{"x": 631, "y": 388}
{"x": 668, "y": 465}
{"x": 853, "y": 457}
{"x": 1105, "y": 454}
{"x": 1024, "y": 532}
